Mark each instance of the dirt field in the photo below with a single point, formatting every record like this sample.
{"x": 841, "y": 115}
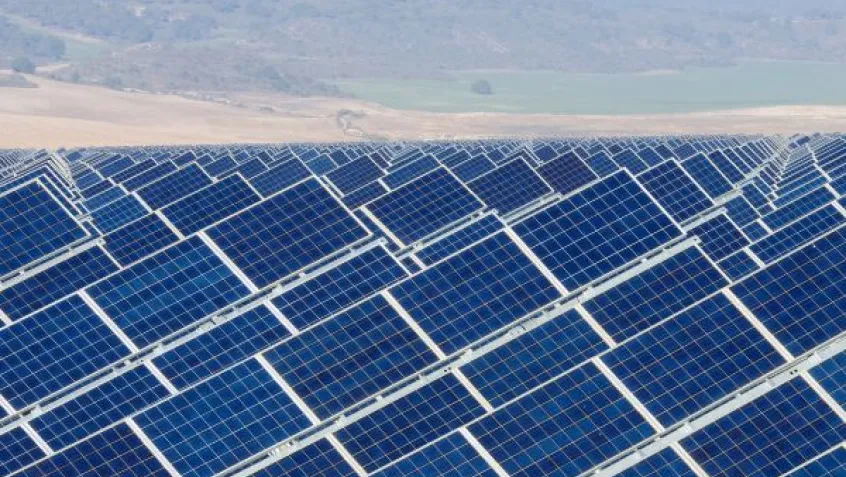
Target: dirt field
{"x": 60, "y": 114}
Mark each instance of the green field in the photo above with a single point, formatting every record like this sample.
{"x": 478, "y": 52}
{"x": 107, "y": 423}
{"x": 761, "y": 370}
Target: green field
{"x": 749, "y": 84}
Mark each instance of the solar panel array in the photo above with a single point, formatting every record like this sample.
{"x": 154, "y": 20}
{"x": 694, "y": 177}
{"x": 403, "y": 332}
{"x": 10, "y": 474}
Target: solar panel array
{"x": 562, "y": 307}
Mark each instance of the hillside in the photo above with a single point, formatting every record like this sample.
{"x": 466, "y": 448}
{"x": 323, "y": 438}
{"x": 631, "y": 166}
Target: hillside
{"x": 299, "y": 47}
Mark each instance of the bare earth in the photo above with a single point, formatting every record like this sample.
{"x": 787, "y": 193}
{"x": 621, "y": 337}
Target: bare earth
{"x": 61, "y": 114}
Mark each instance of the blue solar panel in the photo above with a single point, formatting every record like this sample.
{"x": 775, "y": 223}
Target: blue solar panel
{"x": 168, "y": 291}
{"x": 350, "y": 357}
{"x": 675, "y": 191}
{"x": 339, "y": 287}
{"x": 139, "y": 239}
{"x": 149, "y": 176}
{"x": 32, "y": 225}
{"x": 317, "y": 460}
{"x": 408, "y": 173}
{"x": 831, "y": 375}
{"x": 17, "y": 450}
{"x": 473, "y": 168}
{"x": 366, "y": 194}
{"x": 222, "y": 347}
{"x": 103, "y": 198}
{"x": 707, "y": 176}
{"x": 287, "y": 232}
{"x": 629, "y": 160}
{"x": 422, "y": 207}
{"x": 409, "y": 422}
{"x": 698, "y": 357}
{"x": 221, "y": 166}
{"x": 800, "y": 298}
{"x": 279, "y": 177}
{"x": 720, "y": 237}
{"x": 221, "y": 421}
{"x": 566, "y": 174}
{"x": 738, "y": 265}
{"x": 655, "y": 294}
{"x": 756, "y": 198}
{"x": 249, "y": 169}
{"x": 99, "y": 407}
{"x": 175, "y": 186}
{"x": 562, "y": 429}
{"x": 96, "y": 189}
{"x": 769, "y": 436}
{"x": 475, "y": 292}
{"x": 740, "y": 212}
{"x": 118, "y": 213}
{"x": 665, "y": 463}
{"x": 832, "y": 464}
{"x": 509, "y": 187}
{"x": 116, "y": 451}
{"x": 55, "y": 283}
{"x": 798, "y": 208}
{"x": 452, "y": 456}
{"x": 797, "y": 234}
{"x": 321, "y": 165}
{"x": 114, "y": 165}
{"x": 624, "y": 224}
{"x": 602, "y": 165}
{"x": 211, "y": 204}
{"x": 53, "y": 349}
{"x": 459, "y": 239}
{"x": 355, "y": 174}
{"x": 534, "y": 358}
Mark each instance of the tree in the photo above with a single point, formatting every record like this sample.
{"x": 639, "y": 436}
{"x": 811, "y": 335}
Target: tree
{"x": 23, "y": 65}
{"x": 482, "y": 87}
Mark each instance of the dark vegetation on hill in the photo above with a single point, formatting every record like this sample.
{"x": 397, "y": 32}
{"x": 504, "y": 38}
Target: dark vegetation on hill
{"x": 299, "y": 46}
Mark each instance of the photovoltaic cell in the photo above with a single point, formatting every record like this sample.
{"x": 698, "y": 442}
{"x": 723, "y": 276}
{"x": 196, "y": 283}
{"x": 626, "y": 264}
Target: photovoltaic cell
{"x": 720, "y": 237}
{"x": 350, "y": 357}
{"x": 409, "y": 422}
{"x": 477, "y": 291}
{"x": 53, "y": 349}
{"x": 566, "y": 173}
{"x": 316, "y": 460}
{"x": 629, "y": 160}
{"x": 707, "y": 176}
{"x": 279, "y": 177}
{"x": 829, "y": 465}
{"x": 665, "y": 463}
{"x": 355, "y": 174}
{"x": 222, "y": 347}
{"x": 655, "y": 294}
{"x": 740, "y": 212}
{"x": 738, "y": 265}
{"x": 675, "y": 191}
{"x": 408, "y": 173}
{"x": 452, "y": 456}
{"x": 168, "y": 291}
{"x": 99, "y": 407}
{"x": 459, "y": 239}
{"x": 473, "y": 168}
{"x": 17, "y": 450}
{"x": 103, "y": 198}
{"x": 116, "y": 451}
{"x": 139, "y": 239}
{"x": 602, "y": 165}
{"x": 149, "y": 176}
{"x": 768, "y": 436}
{"x": 563, "y": 428}
{"x": 509, "y": 187}
{"x": 118, "y": 213}
{"x": 175, "y": 186}
{"x": 56, "y": 282}
{"x": 366, "y": 194}
{"x": 534, "y": 358}
{"x": 797, "y": 234}
{"x": 831, "y": 374}
{"x": 422, "y": 207}
{"x": 601, "y": 228}
{"x": 221, "y": 421}
{"x": 32, "y": 225}
{"x": 800, "y": 298}
{"x": 221, "y": 166}
{"x": 211, "y": 204}
{"x": 285, "y": 233}
{"x": 692, "y": 360}
{"x": 798, "y": 208}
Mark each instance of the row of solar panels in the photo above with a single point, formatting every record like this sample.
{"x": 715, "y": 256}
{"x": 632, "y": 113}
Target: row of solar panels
{"x": 478, "y": 308}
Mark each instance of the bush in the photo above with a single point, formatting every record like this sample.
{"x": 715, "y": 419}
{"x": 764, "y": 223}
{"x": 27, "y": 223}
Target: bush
{"x": 23, "y": 65}
{"x": 482, "y": 87}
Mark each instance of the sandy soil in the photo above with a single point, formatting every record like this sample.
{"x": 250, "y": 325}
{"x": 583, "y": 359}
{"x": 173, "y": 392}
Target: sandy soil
{"x": 61, "y": 114}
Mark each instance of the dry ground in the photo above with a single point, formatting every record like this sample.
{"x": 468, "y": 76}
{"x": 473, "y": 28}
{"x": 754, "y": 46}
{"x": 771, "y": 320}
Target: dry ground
{"x": 61, "y": 114}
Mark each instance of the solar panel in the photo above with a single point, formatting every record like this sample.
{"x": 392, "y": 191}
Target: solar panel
{"x": 354, "y": 175}
{"x": 118, "y": 213}
{"x": 719, "y": 237}
{"x": 790, "y": 212}
{"x": 167, "y": 291}
{"x": 452, "y": 456}
{"x": 798, "y": 233}
{"x": 828, "y": 465}
{"x": 320, "y": 459}
{"x": 17, "y": 450}
{"x": 408, "y": 173}
{"x": 210, "y": 204}
{"x": 287, "y": 232}
{"x": 175, "y": 186}
{"x": 474, "y": 293}
{"x": 509, "y": 187}
{"x": 32, "y": 225}
{"x": 738, "y": 265}
{"x": 425, "y": 205}
{"x": 139, "y": 239}
{"x": 146, "y": 177}
{"x": 459, "y": 239}
{"x": 707, "y": 176}
{"x": 664, "y": 463}
{"x": 564, "y": 428}
{"x": 279, "y": 177}
{"x": 566, "y": 173}
{"x": 675, "y": 191}
{"x": 473, "y": 168}
{"x": 624, "y": 224}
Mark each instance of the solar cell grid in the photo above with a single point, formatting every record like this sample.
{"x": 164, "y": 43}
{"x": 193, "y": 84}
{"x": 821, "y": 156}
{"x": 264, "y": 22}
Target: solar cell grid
{"x": 566, "y": 173}
{"x": 17, "y": 450}
{"x": 509, "y": 187}
{"x": 831, "y": 374}
{"x": 118, "y": 213}
{"x": 798, "y": 233}
{"x": 828, "y": 465}
{"x": 211, "y": 204}
{"x": 139, "y": 239}
{"x": 354, "y": 175}
{"x": 665, "y": 463}
{"x": 738, "y": 265}
{"x": 473, "y": 168}
{"x": 317, "y": 460}
{"x": 175, "y": 186}
{"x": 146, "y": 177}
{"x": 707, "y": 176}
{"x": 452, "y": 456}
{"x": 719, "y": 237}
{"x": 675, "y": 191}
{"x": 602, "y": 165}
{"x": 285, "y": 233}
{"x": 459, "y": 239}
